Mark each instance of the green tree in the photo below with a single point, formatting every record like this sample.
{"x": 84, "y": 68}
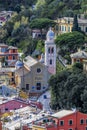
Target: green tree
{"x": 17, "y": 8}
{"x": 68, "y": 89}
{"x": 41, "y": 23}
{"x": 69, "y": 42}
{"x": 75, "y": 24}
{"x": 40, "y": 46}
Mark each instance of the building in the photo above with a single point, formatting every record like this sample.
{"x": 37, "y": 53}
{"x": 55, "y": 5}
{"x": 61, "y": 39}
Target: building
{"x": 36, "y": 33}
{"x": 1, "y": 125}
{"x": 2, "y": 21}
{"x": 32, "y": 75}
{"x": 5, "y": 16}
{"x": 17, "y": 103}
{"x": 8, "y": 55}
{"x": 78, "y": 56}
{"x": 7, "y": 75}
{"x": 65, "y": 24}
{"x": 50, "y": 52}
{"x": 62, "y": 120}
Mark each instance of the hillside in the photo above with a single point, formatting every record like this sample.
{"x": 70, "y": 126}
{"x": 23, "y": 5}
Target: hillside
{"x": 47, "y": 8}
{"x": 17, "y": 31}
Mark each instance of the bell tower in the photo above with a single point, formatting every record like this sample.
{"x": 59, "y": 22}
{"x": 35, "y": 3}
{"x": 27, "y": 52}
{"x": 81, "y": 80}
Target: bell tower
{"x": 50, "y": 52}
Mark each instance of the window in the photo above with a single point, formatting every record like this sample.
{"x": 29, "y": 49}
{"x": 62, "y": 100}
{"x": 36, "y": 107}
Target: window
{"x": 86, "y": 121}
{"x": 68, "y": 21}
{"x": 80, "y": 28}
{"x": 52, "y": 50}
{"x": 70, "y": 129}
{"x": 86, "y": 29}
{"x": 61, "y": 123}
{"x": 56, "y": 27}
{"x": 14, "y": 58}
{"x": 12, "y": 73}
{"x": 6, "y": 109}
{"x": 13, "y": 50}
{"x": 62, "y": 28}
{"x": 68, "y": 29}
{"x": 27, "y": 86}
{"x": 70, "y": 122}
{"x": 65, "y": 28}
{"x": 85, "y": 128}
{"x": 6, "y": 57}
{"x": 3, "y": 49}
{"x": 38, "y": 85}
{"x": 38, "y": 70}
{"x": 78, "y": 60}
{"x": 44, "y": 87}
{"x": 81, "y": 121}
{"x": 50, "y": 61}
{"x": 12, "y": 79}
{"x": 49, "y": 50}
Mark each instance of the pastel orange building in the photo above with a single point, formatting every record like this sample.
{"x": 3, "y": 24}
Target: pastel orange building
{"x": 9, "y": 54}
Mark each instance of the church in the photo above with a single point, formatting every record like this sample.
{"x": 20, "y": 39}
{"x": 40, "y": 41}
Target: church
{"x": 32, "y": 75}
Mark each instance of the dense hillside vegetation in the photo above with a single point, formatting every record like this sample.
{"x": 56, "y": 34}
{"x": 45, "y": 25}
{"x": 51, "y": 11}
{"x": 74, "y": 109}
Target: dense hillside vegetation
{"x": 68, "y": 87}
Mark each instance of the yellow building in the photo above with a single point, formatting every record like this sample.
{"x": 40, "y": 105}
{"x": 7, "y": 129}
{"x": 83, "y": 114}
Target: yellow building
{"x": 65, "y": 24}
{"x": 38, "y": 127}
{"x": 7, "y": 76}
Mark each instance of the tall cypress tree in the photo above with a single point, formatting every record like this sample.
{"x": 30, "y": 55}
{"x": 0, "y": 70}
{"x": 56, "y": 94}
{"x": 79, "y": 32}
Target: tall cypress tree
{"x": 75, "y": 24}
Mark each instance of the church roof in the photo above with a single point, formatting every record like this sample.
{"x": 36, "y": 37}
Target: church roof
{"x": 19, "y": 64}
{"x": 50, "y": 33}
{"x": 79, "y": 54}
{"x": 29, "y": 61}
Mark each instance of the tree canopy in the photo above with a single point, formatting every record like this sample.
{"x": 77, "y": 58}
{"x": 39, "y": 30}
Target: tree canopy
{"x": 69, "y": 43}
{"x": 41, "y": 23}
{"x": 68, "y": 89}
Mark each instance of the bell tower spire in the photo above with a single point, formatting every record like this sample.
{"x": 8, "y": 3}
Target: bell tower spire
{"x": 50, "y": 52}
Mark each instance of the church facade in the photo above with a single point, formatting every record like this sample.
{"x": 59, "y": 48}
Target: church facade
{"x": 32, "y": 76}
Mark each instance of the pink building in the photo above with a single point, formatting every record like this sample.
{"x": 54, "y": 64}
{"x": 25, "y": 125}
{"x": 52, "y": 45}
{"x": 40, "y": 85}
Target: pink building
{"x": 17, "y": 104}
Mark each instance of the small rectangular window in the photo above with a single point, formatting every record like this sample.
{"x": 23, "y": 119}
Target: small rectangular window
{"x": 6, "y": 57}
{"x": 6, "y": 109}
{"x": 12, "y": 79}
{"x": 13, "y": 50}
{"x": 14, "y": 58}
{"x": 68, "y": 29}
{"x": 68, "y": 21}
{"x": 81, "y": 121}
{"x": 70, "y": 122}
{"x": 38, "y": 86}
{"x": 50, "y": 61}
{"x": 62, "y": 28}
{"x": 61, "y": 123}
{"x": 86, "y": 29}
{"x": 27, "y": 86}
{"x": 86, "y": 121}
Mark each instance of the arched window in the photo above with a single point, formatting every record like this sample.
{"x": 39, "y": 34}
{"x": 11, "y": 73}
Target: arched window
{"x": 49, "y": 50}
{"x": 52, "y": 50}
